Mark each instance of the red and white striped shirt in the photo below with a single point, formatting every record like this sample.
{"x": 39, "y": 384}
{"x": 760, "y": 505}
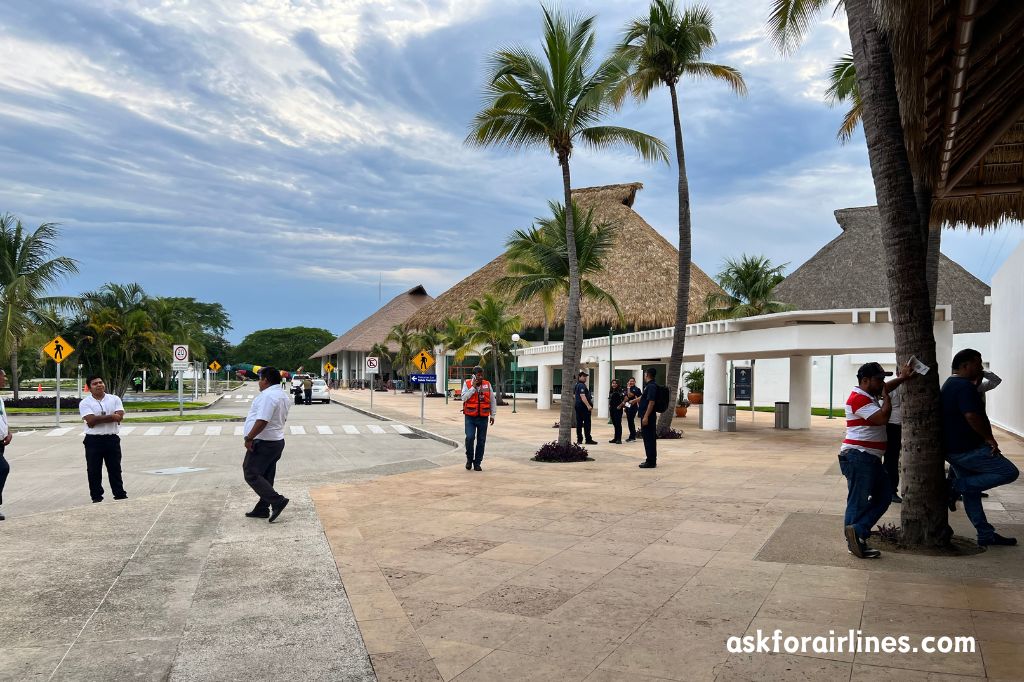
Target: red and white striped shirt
{"x": 860, "y": 433}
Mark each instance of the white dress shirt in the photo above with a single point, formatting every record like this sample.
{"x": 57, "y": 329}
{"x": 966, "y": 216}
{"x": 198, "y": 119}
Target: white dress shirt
{"x": 271, "y": 405}
{"x": 109, "y": 404}
{"x": 4, "y": 429}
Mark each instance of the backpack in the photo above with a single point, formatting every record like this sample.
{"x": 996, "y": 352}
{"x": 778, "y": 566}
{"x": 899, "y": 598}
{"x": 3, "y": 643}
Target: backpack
{"x": 661, "y": 402}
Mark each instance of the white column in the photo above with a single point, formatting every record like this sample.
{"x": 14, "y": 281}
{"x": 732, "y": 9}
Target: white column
{"x": 361, "y": 367}
{"x": 800, "y": 384}
{"x": 638, "y": 376}
{"x": 545, "y": 374}
{"x": 143, "y": 381}
{"x": 944, "y": 349}
{"x": 716, "y": 389}
{"x": 344, "y": 369}
{"x": 604, "y": 382}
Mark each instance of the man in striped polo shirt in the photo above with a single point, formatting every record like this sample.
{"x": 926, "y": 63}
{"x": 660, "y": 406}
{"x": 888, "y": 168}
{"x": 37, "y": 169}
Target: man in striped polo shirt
{"x": 860, "y": 457}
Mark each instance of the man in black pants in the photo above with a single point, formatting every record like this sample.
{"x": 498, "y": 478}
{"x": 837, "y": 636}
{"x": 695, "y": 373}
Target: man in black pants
{"x": 584, "y": 407}
{"x": 632, "y": 399}
{"x": 102, "y": 414}
{"x": 648, "y": 419}
{"x": 5, "y": 440}
{"x": 616, "y": 401}
{"x": 264, "y": 444}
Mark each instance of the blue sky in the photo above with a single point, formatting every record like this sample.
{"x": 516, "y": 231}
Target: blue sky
{"x": 283, "y": 158}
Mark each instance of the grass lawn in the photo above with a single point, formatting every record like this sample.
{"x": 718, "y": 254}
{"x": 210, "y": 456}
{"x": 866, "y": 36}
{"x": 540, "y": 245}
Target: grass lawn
{"x": 184, "y": 418}
{"x": 129, "y": 407}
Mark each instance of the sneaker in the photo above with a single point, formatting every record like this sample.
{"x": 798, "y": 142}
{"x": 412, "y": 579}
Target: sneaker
{"x": 868, "y": 553}
{"x": 896, "y": 499}
{"x": 998, "y": 539}
{"x": 857, "y": 547}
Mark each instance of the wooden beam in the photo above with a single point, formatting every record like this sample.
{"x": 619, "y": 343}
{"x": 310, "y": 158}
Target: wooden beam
{"x": 995, "y": 131}
{"x": 983, "y": 190}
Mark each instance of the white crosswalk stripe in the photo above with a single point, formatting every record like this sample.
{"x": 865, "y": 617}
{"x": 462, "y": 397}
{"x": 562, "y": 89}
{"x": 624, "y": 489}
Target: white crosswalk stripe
{"x": 59, "y": 432}
{"x": 374, "y": 428}
{"x": 125, "y": 430}
{"x": 183, "y": 431}
{"x": 212, "y": 431}
{"x": 350, "y": 429}
{"x": 154, "y": 431}
{"x": 297, "y": 430}
{"x": 401, "y": 428}
{"x": 238, "y": 431}
{"x": 324, "y": 430}
{"x": 26, "y": 434}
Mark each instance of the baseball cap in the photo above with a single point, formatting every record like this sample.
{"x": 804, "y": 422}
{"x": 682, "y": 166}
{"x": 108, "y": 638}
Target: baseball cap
{"x": 872, "y": 369}
{"x": 478, "y": 369}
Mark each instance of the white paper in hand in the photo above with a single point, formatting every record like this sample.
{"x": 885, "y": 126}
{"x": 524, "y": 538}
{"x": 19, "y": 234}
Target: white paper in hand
{"x": 919, "y": 366}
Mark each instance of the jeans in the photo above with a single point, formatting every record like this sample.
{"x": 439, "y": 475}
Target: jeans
{"x": 631, "y": 421}
{"x": 307, "y": 396}
{"x": 476, "y": 429}
{"x": 259, "y": 468}
{"x": 650, "y": 435}
{"x": 868, "y": 490}
{"x": 976, "y": 471}
{"x": 617, "y": 423}
{"x": 891, "y": 461}
{"x": 5, "y": 469}
{"x": 103, "y": 450}
{"x": 583, "y": 421}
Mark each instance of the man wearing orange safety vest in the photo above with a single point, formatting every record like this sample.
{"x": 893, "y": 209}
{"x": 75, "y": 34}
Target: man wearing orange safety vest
{"x": 479, "y": 403}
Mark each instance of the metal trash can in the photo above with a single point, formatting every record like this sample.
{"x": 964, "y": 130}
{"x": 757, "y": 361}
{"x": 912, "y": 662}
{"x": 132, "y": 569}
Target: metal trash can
{"x": 726, "y": 416}
{"x": 700, "y": 415}
{"x": 782, "y": 415}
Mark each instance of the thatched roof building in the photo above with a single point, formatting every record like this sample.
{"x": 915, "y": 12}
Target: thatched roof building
{"x": 375, "y": 328}
{"x": 646, "y": 305}
{"x": 849, "y": 272}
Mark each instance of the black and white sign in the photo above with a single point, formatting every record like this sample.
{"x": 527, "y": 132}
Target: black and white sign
{"x": 744, "y": 378}
{"x": 179, "y": 352}
{"x": 372, "y": 365}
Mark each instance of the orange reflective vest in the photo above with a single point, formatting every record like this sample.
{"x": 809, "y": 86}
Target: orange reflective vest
{"x": 478, "y": 404}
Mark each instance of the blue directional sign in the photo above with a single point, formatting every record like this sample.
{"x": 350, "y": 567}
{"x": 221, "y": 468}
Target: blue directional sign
{"x": 423, "y": 378}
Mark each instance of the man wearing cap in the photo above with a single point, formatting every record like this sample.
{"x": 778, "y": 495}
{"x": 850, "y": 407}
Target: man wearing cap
{"x": 479, "y": 403}
{"x": 869, "y": 491}
{"x": 584, "y": 407}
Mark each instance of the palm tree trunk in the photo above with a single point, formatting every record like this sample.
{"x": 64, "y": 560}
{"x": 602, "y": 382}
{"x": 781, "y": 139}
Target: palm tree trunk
{"x": 923, "y": 512}
{"x": 570, "y": 357}
{"x": 547, "y": 330}
{"x": 14, "y": 370}
{"x": 675, "y": 361}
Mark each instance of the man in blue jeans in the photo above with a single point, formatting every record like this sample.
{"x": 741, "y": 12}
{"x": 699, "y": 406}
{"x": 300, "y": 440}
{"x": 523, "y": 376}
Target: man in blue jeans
{"x": 869, "y": 490}
{"x": 479, "y": 403}
{"x": 971, "y": 449}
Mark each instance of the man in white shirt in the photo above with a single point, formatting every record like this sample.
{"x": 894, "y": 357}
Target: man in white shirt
{"x": 5, "y": 440}
{"x": 264, "y": 444}
{"x": 102, "y": 414}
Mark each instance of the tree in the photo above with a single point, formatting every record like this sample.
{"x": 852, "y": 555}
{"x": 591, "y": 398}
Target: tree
{"x": 904, "y": 207}
{"x": 403, "y": 356}
{"x": 749, "y": 288}
{"x": 490, "y": 332}
{"x": 554, "y": 102}
{"x": 662, "y": 48}
{"x": 27, "y": 272}
{"x": 286, "y": 348}
{"x": 538, "y": 260}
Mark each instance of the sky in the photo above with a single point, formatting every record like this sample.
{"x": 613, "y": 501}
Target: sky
{"x": 302, "y": 161}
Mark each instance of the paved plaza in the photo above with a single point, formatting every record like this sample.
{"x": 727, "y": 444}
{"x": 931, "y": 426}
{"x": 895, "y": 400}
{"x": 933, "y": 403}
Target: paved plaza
{"x": 395, "y": 563}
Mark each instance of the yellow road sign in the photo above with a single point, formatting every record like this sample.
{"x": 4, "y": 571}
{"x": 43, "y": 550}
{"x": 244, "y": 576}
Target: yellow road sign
{"x": 422, "y": 361}
{"x": 214, "y": 366}
{"x": 58, "y": 349}
{"x": 328, "y": 367}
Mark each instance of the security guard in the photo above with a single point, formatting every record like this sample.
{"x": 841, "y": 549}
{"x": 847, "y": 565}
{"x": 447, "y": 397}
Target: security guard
{"x": 479, "y": 403}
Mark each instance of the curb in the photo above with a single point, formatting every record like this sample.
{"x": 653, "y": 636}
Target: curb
{"x": 415, "y": 429}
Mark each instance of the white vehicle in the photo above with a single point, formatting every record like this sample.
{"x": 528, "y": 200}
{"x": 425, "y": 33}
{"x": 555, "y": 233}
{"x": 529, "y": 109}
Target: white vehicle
{"x": 297, "y": 380}
{"x": 320, "y": 391}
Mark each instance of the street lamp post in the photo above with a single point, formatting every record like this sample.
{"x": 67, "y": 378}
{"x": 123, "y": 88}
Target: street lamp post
{"x": 515, "y": 368}
{"x": 611, "y": 367}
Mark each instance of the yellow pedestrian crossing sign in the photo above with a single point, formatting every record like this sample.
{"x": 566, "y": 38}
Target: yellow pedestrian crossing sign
{"x": 58, "y": 349}
{"x": 328, "y": 367}
{"x": 214, "y": 366}
{"x": 422, "y": 361}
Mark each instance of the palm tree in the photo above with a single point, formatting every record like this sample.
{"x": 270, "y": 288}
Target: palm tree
{"x": 663, "y": 47}
{"x": 904, "y": 204}
{"x": 379, "y": 350}
{"x": 554, "y": 102}
{"x": 454, "y": 333}
{"x": 538, "y": 261}
{"x": 27, "y": 271}
{"x": 401, "y": 358}
{"x": 490, "y": 333}
{"x": 749, "y": 288}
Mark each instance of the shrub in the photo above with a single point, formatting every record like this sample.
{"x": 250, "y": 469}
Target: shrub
{"x": 49, "y": 402}
{"x": 553, "y": 452}
{"x": 669, "y": 434}
{"x": 891, "y": 533}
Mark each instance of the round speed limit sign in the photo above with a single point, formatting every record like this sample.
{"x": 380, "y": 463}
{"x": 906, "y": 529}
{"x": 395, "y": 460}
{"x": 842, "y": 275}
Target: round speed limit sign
{"x": 181, "y": 353}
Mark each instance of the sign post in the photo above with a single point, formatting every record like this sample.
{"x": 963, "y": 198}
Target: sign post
{"x": 58, "y": 349}
{"x": 179, "y": 353}
{"x": 423, "y": 380}
{"x": 372, "y": 367}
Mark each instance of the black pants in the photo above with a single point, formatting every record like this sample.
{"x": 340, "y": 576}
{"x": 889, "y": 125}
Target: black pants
{"x": 631, "y": 421}
{"x": 617, "y": 423}
{"x": 5, "y": 469}
{"x": 259, "y": 468}
{"x": 307, "y": 394}
{"x": 583, "y": 420}
{"x": 891, "y": 461}
{"x": 103, "y": 450}
{"x": 650, "y": 434}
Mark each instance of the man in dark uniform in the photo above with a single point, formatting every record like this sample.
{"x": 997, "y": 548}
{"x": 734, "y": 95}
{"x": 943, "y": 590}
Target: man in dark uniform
{"x": 648, "y": 418}
{"x": 584, "y": 406}
{"x": 632, "y": 401}
{"x": 616, "y": 402}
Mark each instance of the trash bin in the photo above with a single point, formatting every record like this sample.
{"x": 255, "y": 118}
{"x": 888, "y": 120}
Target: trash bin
{"x": 726, "y": 416}
{"x": 782, "y": 415}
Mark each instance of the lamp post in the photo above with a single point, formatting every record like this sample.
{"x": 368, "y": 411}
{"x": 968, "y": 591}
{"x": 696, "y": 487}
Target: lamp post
{"x": 515, "y": 368}
{"x": 611, "y": 367}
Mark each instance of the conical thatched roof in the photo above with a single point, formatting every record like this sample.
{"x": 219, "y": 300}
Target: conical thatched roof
{"x": 375, "y": 328}
{"x": 647, "y": 304}
{"x": 849, "y": 272}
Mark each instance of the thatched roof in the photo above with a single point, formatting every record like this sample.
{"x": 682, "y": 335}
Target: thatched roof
{"x": 849, "y": 272}
{"x": 647, "y": 304}
{"x": 375, "y": 328}
{"x": 960, "y": 74}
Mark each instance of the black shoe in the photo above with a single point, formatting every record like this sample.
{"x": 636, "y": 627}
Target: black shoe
{"x": 476, "y": 467}
{"x": 613, "y": 441}
{"x": 2, "y": 517}
{"x": 854, "y": 545}
{"x": 951, "y": 497}
{"x": 631, "y": 439}
{"x": 276, "y": 510}
{"x": 998, "y": 539}
{"x": 647, "y": 465}
{"x": 896, "y": 499}
{"x": 984, "y": 494}
{"x": 617, "y": 442}
{"x": 99, "y": 499}
{"x": 590, "y": 442}
{"x": 469, "y": 465}
{"x": 866, "y": 552}
{"x": 258, "y": 514}
{"x": 579, "y": 442}
{"x": 121, "y": 497}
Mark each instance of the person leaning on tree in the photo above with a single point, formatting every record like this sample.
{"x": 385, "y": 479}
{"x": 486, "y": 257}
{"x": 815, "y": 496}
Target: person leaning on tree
{"x": 479, "y": 403}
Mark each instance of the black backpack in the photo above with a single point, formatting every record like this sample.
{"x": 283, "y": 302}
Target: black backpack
{"x": 661, "y": 402}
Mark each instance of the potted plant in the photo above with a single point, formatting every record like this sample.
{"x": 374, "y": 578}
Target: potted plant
{"x": 694, "y": 381}
{"x": 681, "y": 404}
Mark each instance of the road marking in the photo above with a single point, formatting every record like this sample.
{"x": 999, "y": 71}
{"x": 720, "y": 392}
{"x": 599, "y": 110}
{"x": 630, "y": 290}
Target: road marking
{"x": 298, "y": 430}
{"x": 125, "y": 430}
{"x": 374, "y": 428}
{"x": 154, "y": 431}
{"x": 350, "y": 429}
{"x": 183, "y": 431}
{"x": 212, "y": 431}
{"x": 238, "y": 430}
{"x": 26, "y": 434}
{"x": 401, "y": 428}
{"x": 59, "y": 432}
{"x": 324, "y": 430}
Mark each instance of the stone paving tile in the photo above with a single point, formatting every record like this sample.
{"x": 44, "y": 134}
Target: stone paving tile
{"x": 521, "y": 600}
{"x": 388, "y": 634}
{"x": 411, "y": 665}
{"x": 479, "y": 627}
{"x": 507, "y": 665}
{"x": 451, "y": 658}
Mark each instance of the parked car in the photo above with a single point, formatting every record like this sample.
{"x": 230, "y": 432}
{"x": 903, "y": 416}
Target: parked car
{"x": 320, "y": 391}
